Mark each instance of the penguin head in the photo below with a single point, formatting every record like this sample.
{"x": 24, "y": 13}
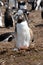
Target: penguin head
{"x": 20, "y": 18}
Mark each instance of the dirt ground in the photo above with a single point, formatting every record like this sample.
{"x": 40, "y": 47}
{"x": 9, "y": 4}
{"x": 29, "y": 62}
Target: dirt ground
{"x": 30, "y": 57}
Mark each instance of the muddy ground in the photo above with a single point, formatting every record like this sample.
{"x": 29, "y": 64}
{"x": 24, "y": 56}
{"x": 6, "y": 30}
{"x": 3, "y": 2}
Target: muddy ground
{"x": 30, "y": 57}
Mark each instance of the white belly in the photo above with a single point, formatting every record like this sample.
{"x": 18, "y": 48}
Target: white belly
{"x": 0, "y": 21}
{"x": 23, "y": 35}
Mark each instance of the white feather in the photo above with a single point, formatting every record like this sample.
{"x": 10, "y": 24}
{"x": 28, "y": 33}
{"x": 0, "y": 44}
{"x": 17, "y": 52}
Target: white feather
{"x": 0, "y": 21}
{"x": 23, "y": 35}
{"x": 38, "y": 4}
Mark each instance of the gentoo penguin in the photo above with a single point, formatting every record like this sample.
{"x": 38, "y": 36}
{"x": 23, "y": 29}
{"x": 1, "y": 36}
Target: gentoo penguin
{"x": 6, "y": 37}
{"x": 8, "y": 19}
{"x": 24, "y": 33}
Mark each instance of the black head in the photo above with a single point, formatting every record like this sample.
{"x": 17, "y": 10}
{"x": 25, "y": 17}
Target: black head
{"x": 20, "y": 18}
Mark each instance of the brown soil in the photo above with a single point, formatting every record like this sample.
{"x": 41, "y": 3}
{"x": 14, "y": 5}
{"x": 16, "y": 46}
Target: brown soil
{"x": 30, "y": 57}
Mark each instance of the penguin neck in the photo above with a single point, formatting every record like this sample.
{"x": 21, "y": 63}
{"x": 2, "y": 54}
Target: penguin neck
{"x": 20, "y": 21}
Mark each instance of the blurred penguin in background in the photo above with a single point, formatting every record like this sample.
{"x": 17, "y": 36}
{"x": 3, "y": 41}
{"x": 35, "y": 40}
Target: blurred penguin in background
{"x": 1, "y": 19}
{"x": 1, "y": 15}
{"x": 8, "y": 19}
{"x": 40, "y": 6}
{"x": 33, "y": 4}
